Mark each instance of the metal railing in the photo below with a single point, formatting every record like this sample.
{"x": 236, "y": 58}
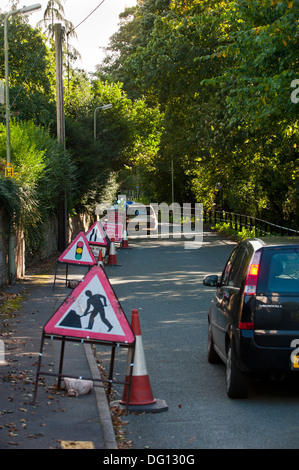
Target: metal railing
{"x": 238, "y": 221}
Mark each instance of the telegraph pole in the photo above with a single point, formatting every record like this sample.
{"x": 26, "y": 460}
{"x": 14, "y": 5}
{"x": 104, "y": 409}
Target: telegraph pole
{"x": 62, "y": 209}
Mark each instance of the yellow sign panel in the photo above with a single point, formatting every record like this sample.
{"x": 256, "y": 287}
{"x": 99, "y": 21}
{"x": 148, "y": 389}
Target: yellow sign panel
{"x": 296, "y": 362}
{"x": 9, "y": 171}
{"x": 77, "y": 445}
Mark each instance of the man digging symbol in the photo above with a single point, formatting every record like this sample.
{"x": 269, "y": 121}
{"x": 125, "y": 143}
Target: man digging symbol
{"x": 95, "y": 301}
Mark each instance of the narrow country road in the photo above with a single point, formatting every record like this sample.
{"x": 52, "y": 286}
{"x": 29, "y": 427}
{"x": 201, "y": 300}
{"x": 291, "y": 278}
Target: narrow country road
{"x": 163, "y": 280}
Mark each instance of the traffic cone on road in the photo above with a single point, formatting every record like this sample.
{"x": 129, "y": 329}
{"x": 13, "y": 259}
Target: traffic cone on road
{"x": 112, "y": 260}
{"x": 125, "y": 243}
{"x": 141, "y": 398}
{"x": 100, "y": 259}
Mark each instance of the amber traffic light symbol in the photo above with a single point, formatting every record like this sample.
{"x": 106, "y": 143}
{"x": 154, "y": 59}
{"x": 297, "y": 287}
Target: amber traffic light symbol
{"x": 79, "y": 250}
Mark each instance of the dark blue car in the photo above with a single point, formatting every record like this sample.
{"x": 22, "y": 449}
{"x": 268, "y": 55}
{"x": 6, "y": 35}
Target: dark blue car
{"x": 254, "y": 313}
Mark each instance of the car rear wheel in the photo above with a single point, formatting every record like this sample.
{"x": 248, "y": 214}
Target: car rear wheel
{"x": 213, "y": 357}
{"x": 237, "y": 383}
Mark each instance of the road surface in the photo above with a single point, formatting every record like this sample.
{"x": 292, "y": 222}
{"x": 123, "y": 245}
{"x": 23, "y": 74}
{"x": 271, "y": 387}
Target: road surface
{"x": 163, "y": 280}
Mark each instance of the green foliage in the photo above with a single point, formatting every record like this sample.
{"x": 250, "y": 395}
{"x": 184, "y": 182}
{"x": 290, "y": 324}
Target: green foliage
{"x": 265, "y": 46}
{"x": 31, "y": 72}
{"x": 226, "y": 230}
{"x": 127, "y": 135}
{"x": 42, "y": 172}
{"x": 54, "y": 14}
{"x": 221, "y": 72}
{"x": 203, "y": 85}
{"x": 24, "y": 155}
{"x": 9, "y": 199}
{"x": 136, "y": 24}
{"x": 87, "y": 170}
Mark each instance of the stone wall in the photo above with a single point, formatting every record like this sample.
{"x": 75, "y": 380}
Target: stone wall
{"x": 19, "y": 244}
{"x": 78, "y": 223}
{"x": 49, "y": 244}
{"x": 3, "y": 249}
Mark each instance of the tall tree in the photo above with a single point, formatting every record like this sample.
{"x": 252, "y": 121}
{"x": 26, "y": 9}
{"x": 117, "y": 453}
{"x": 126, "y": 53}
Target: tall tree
{"x": 222, "y": 73}
{"x": 135, "y": 28}
{"x": 31, "y": 72}
{"x": 54, "y": 13}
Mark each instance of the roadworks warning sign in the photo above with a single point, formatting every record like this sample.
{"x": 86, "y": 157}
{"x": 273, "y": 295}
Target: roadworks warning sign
{"x": 78, "y": 252}
{"x": 92, "y": 311}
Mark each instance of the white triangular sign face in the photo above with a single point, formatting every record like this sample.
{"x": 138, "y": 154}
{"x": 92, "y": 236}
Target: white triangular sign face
{"x": 92, "y": 311}
{"x": 78, "y": 252}
{"x": 96, "y": 235}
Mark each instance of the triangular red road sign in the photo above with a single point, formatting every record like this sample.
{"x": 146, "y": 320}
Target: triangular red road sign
{"x": 96, "y": 235}
{"x": 78, "y": 252}
{"x": 92, "y": 311}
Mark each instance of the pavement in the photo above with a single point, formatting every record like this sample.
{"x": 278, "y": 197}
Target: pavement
{"x": 55, "y": 420}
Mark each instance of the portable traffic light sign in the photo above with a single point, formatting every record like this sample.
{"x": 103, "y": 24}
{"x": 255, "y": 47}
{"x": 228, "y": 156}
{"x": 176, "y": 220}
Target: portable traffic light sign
{"x": 79, "y": 250}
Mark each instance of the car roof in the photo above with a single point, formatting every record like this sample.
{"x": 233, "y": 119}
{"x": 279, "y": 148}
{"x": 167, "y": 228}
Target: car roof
{"x": 273, "y": 242}
{"x": 139, "y": 204}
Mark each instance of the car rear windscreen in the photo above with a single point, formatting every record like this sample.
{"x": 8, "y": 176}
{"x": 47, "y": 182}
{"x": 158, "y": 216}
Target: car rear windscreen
{"x": 279, "y": 272}
{"x": 138, "y": 210}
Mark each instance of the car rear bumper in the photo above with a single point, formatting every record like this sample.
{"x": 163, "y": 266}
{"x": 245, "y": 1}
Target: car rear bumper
{"x": 256, "y": 358}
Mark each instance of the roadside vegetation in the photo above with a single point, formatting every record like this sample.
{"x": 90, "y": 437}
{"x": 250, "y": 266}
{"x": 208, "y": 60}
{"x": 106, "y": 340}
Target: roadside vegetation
{"x": 205, "y": 91}
{"x": 223, "y": 74}
{"x": 238, "y": 235}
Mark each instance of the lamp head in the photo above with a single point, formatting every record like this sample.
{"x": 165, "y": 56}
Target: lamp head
{"x": 36, "y": 6}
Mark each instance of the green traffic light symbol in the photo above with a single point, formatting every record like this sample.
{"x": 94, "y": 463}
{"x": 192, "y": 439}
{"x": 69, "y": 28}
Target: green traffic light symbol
{"x": 79, "y": 250}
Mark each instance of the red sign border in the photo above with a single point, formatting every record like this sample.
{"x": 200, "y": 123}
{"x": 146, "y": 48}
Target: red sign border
{"x": 85, "y": 263}
{"x": 104, "y": 234}
{"x": 129, "y": 337}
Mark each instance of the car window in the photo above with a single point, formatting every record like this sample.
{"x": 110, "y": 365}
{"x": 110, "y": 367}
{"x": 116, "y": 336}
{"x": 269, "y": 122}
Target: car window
{"x": 280, "y": 272}
{"x": 228, "y": 268}
{"x": 139, "y": 210}
{"x": 238, "y": 268}
{"x": 142, "y": 210}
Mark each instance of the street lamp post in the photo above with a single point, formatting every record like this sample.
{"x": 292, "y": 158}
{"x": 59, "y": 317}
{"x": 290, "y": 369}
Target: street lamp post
{"x": 172, "y": 181}
{"x": 28, "y": 9}
{"x": 106, "y": 106}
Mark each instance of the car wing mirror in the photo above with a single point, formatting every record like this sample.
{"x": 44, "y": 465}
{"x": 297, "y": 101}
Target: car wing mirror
{"x": 212, "y": 280}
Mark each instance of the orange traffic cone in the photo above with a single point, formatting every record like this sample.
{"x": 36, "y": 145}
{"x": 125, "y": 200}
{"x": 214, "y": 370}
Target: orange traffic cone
{"x": 112, "y": 260}
{"x": 125, "y": 243}
{"x": 100, "y": 259}
{"x": 141, "y": 396}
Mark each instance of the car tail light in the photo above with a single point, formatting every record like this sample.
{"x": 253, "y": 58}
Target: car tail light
{"x": 246, "y": 325}
{"x": 252, "y": 276}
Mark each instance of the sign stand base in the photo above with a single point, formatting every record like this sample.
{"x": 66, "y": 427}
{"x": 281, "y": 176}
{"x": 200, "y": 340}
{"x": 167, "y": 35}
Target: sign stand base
{"x": 66, "y": 271}
{"x": 60, "y": 375}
